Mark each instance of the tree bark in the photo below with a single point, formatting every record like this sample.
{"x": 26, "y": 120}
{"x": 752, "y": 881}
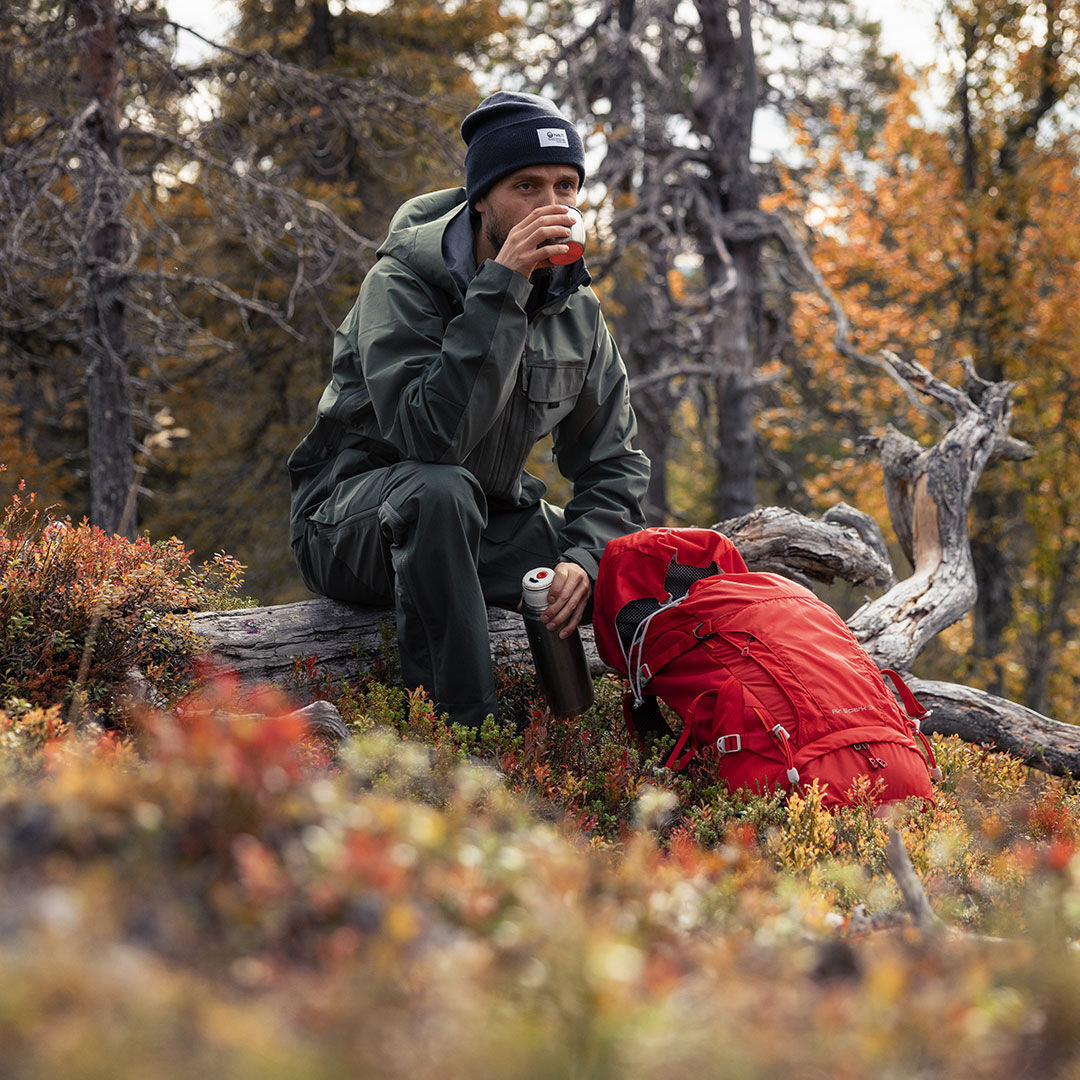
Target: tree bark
{"x": 1000, "y": 725}
{"x": 112, "y": 462}
{"x": 268, "y": 643}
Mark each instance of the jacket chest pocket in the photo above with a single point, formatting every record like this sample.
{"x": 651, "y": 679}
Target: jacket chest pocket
{"x": 552, "y": 391}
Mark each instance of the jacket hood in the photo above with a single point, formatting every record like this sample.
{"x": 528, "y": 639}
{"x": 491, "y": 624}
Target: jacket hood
{"x": 416, "y": 234}
{"x": 432, "y": 234}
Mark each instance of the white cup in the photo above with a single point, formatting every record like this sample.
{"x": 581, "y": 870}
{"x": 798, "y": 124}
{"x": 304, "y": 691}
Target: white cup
{"x": 575, "y": 241}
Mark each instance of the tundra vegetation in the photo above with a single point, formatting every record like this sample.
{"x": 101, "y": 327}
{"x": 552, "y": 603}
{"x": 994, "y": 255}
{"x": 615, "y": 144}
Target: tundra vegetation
{"x": 196, "y": 881}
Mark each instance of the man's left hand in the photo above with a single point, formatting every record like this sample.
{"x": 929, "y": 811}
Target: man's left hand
{"x": 569, "y": 593}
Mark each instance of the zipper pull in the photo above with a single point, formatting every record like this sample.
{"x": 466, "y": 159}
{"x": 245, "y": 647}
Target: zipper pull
{"x": 746, "y": 647}
{"x": 874, "y": 762}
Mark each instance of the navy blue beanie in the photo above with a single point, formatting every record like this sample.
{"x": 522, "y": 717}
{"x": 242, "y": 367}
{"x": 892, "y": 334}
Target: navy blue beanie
{"x": 509, "y": 131}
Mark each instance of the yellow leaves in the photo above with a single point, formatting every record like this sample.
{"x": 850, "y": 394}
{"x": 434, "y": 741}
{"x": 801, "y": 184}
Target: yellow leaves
{"x": 809, "y": 835}
{"x": 677, "y": 285}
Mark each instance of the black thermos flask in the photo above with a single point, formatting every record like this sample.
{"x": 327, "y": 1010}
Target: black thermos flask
{"x": 560, "y": 662}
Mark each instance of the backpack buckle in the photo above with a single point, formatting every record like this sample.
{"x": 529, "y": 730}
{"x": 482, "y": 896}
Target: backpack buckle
{"x": 735, "y": 741}
{"x": 917, "y": 721}
{"x": 781, "y": 732}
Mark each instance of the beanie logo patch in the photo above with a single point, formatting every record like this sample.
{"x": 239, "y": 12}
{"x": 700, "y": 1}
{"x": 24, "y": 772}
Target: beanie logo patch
{"x": 552, "y": 137}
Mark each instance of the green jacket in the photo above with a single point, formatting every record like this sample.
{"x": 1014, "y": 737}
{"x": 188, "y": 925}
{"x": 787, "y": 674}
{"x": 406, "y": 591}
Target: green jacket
{"x": 440, "y": 362}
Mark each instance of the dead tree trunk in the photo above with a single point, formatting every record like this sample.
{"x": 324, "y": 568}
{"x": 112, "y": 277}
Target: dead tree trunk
{"x": 105, "y": 279}
{"x": 725, "y": 102}
{"x": 928, "y": 494}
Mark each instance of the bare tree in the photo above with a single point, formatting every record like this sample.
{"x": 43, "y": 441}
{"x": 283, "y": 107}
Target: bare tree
{"x": 109, "y": 198}
{"x": 676, "y": 89}
{"x": 102, "y": 198}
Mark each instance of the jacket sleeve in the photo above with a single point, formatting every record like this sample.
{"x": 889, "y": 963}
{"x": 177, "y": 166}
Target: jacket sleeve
{"x": 436, "y": 386}
{"x": 594, "y": 452}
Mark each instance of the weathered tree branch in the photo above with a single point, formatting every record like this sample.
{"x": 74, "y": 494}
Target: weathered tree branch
{"x": 908, "y": 882}
{"x": 999, "y": 724}
{"x": 844, "y": 544}
{"x": 928, "y": 492}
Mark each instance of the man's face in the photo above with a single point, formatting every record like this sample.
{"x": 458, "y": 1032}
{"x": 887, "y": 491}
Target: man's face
{"x": 515, "y": 196}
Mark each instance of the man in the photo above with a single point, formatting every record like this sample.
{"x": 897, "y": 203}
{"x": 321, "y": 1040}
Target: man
{"x": 464, "y": 348}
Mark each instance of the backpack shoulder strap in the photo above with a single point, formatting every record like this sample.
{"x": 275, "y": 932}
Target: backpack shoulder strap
{"x": 916, "y": 713}
{"x": 677, "y": 640}
{"x": 912, "y": 706}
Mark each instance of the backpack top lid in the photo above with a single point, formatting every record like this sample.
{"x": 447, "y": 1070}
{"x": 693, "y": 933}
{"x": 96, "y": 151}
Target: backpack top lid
{"x": 645, "y": 571}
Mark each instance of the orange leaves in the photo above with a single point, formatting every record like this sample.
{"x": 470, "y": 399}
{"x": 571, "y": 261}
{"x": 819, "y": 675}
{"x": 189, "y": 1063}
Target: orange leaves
{"x": 248, "y": 742}
{"x": 677, "y": 285}
{"x": 80, "y": 608}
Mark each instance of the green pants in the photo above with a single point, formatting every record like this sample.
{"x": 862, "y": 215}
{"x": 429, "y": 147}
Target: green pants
{"x": 424, "y": 538}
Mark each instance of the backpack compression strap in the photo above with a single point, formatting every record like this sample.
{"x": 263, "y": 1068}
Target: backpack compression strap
{"x": 916, "y": 713}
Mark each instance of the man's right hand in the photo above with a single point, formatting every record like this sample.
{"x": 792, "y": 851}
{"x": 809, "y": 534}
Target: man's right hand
{"x": 522, "y": 249}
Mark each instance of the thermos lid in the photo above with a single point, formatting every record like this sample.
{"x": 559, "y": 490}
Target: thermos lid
{"x": 535, "y": 585}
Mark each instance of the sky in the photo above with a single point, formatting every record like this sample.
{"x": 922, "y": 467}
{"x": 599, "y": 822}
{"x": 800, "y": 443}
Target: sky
{"x": 204, "y": 16}
{"x": 907, "y": 25}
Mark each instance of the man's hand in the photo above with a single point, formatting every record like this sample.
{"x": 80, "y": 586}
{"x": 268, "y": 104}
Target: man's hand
{"x": 522, "y": 250}
{"x": 567, "y": 597}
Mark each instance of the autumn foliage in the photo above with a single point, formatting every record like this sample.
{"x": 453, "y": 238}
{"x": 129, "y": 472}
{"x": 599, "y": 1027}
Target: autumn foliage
{"x": 948, "y": 241}
{"x": 80, "y": 610}
{"x": 202, "y": 887}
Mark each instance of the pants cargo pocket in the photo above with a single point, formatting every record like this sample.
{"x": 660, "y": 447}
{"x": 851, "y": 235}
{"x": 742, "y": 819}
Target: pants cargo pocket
{"x": 345, "y": 555}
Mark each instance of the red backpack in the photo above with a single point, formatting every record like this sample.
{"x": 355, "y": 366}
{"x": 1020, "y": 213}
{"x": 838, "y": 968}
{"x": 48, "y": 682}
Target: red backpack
{"x": 757, "y": 667}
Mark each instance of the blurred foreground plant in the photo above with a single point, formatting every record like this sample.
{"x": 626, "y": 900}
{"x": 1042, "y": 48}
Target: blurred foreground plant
{"x": 210, "y": 895}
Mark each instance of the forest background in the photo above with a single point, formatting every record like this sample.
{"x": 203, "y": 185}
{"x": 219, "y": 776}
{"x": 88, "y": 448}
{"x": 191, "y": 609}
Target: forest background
{"x": 196, "y": 884}
{"x": 182, "y": 236}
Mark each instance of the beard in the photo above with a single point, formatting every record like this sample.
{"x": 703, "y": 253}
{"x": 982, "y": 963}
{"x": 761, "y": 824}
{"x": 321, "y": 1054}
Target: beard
{"x": 496, "y": 231}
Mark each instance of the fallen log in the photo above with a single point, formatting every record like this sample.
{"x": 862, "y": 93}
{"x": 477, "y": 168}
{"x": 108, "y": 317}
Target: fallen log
{"x": 267, "y": 643}
{"x": 999, "y": 725}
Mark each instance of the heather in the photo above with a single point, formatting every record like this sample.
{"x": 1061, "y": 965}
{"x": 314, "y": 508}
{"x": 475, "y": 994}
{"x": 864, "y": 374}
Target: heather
{"x": 196, "y": 885}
